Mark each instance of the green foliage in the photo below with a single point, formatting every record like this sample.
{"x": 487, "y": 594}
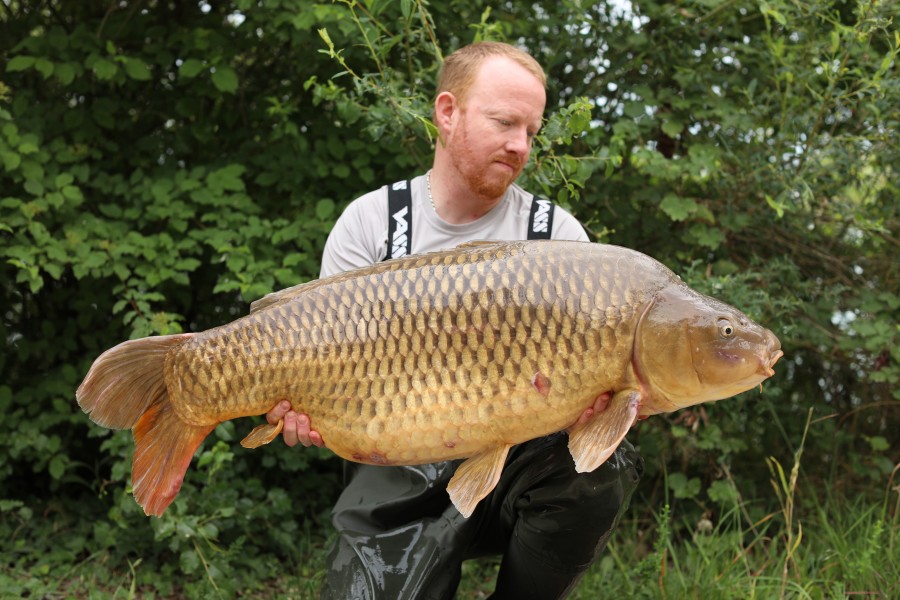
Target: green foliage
{"x": 162, "y": 165}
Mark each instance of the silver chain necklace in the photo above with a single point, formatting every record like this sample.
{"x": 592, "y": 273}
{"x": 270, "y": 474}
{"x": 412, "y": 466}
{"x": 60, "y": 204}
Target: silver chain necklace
{"x": 430, "y": 197}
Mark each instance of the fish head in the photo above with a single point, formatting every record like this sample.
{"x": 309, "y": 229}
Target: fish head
{"x": 691, "y": 348}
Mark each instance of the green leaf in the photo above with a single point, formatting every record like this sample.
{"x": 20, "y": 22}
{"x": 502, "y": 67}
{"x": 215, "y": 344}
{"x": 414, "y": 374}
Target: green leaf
{"x": 190, "y": 68}
{"x": 704, "y": 235}
{"x": 55, "y": 199}
{"x": 28, "y": 147}
{"x": 190, "y": 562}
{"x": 678, "y": 208}
{"x": 672, "y": 127}
{"x": 9, "y": 505}
{"x": 63, "y": 179}
{"x": 44, "y": 67}
{"x": 225, "y": 79}
{"x": 105, "y": 69}
{"x": 635, "y": 110}
{"x": 57, "y": 467}
{"x": 722, "y": 491}
{"x": 187, "y": 264}
{"x": 11, "y": 160}
{"x": 324, "y": 209}
{"x": 684, "y": 487}
{"x": 34, "y": 187}
{"x": 137, "y": 69}
{"x": 878, "y": 443}
{"x": 72, "y": 193}
{"x": 777, "y": 206}
{"x": 65, "y": 72}
{"x": 20, "y": 63}
{"x": 227, "y": 178}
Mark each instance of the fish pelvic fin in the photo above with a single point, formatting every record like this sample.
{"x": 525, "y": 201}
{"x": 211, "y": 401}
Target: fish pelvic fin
{"x": 593, "y": 442}
{"x": 126, "y": 380}
{"x": 475, "y": 478}
{"x": 262, "y": 434}
{"x": 164, "y": 446}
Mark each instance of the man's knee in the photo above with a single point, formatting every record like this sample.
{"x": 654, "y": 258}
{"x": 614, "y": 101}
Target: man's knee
{"x": 577, "y": 519}
{"x": 614, "y": 481}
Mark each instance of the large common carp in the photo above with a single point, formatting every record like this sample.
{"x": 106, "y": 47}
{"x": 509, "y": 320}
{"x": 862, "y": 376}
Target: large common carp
{"x": 452, "y": 354}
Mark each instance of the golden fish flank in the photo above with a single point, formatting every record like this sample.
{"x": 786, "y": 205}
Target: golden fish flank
{"x": 453, "y": 354}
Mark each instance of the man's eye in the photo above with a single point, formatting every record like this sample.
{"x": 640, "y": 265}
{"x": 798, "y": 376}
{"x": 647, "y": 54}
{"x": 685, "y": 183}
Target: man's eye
{"x": 504, "y": 122}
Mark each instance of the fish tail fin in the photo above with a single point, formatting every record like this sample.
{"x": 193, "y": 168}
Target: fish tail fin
{"x": 164, "y": 446}
{"x": 125, "y": 388}
{"x": 126, "y": 380}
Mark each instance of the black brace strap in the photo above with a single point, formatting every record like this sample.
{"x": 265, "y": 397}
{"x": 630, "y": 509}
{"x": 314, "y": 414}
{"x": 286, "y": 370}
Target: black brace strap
{"x": 540, "y": 222}
{"x": 399, "y": 220}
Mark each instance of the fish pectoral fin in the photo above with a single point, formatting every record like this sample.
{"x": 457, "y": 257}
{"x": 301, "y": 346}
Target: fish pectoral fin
{"x": 595, "y": 441}
{"x": 476, "y": 478}
{"x": 262, "y": 435}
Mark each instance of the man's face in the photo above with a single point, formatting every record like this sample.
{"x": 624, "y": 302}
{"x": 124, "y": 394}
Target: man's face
{"x": 491, "y": 140}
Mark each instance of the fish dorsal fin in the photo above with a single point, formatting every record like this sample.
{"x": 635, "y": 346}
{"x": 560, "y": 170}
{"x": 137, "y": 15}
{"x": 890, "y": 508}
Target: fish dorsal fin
{"x": 479, "y": 244}
{"x": 476, "y": 478}
{"x": 280, "y": 296}
{"x": 595, "y": 441}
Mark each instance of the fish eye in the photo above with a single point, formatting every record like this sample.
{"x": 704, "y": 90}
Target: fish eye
{"x": 726, "y": 328}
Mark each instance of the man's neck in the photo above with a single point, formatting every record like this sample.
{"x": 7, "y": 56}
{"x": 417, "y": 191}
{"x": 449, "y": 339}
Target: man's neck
{"x": 457, "y": 204}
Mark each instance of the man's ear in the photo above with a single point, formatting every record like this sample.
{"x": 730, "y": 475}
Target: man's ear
{"x": 445, "y": 109}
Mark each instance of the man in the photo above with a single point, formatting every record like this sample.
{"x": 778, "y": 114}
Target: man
{"x": 399, "y": 535}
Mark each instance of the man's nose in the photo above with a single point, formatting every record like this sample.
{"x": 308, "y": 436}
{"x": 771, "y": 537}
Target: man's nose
{"x": 519, "y": 141}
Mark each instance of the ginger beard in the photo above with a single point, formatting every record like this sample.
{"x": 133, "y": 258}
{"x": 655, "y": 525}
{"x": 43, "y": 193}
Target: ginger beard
{"x": 485, "y": 178}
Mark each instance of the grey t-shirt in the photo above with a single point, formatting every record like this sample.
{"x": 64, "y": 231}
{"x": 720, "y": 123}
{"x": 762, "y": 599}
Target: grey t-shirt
{"x": 359, "y": 237}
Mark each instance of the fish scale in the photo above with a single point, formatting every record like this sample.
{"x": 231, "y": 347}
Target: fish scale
{"x": 446, "y": 355}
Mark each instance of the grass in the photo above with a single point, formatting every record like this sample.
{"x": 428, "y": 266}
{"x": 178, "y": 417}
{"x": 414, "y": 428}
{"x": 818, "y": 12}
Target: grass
{"x": 847, "y": 549}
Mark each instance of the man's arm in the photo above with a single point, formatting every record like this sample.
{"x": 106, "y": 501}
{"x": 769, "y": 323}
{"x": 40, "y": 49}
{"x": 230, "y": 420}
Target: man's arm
{"x": 359, "y": 237}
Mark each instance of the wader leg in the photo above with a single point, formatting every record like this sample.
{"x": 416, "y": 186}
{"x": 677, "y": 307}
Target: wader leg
{"x": 398, "y": 536}
{"x": 558, "y": 520}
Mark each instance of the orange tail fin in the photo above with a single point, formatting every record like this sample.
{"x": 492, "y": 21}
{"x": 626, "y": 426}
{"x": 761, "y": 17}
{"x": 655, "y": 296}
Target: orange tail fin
{"x": 125, "y": 380}
{"x": 126, "y": 388}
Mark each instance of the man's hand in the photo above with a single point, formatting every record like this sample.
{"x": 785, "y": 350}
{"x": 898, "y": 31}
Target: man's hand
{"x": 297, "y": 426}
{"x": 600, "y": 404}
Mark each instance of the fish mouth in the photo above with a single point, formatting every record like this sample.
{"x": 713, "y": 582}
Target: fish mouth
{"x": 766, "y": 365}
{"x": 773, "y": 353}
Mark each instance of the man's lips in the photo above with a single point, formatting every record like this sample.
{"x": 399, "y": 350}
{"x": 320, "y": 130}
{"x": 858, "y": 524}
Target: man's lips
{"x": 513, "y": 167}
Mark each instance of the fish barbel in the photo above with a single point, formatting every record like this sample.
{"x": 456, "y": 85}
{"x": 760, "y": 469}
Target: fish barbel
{"x": 454, "y": 354}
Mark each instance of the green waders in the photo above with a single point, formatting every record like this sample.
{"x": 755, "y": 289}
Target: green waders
{"x": 401, "y": 538}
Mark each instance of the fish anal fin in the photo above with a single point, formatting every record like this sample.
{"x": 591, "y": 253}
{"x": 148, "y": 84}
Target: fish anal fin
{"x": 262, "y": 435}
{"x": 593, "y": 442}
{"x": 164, "y": 446}
{"x": 476, "y": 478}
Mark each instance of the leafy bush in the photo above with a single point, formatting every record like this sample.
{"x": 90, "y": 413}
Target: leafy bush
{"x": 165, "y": 164}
